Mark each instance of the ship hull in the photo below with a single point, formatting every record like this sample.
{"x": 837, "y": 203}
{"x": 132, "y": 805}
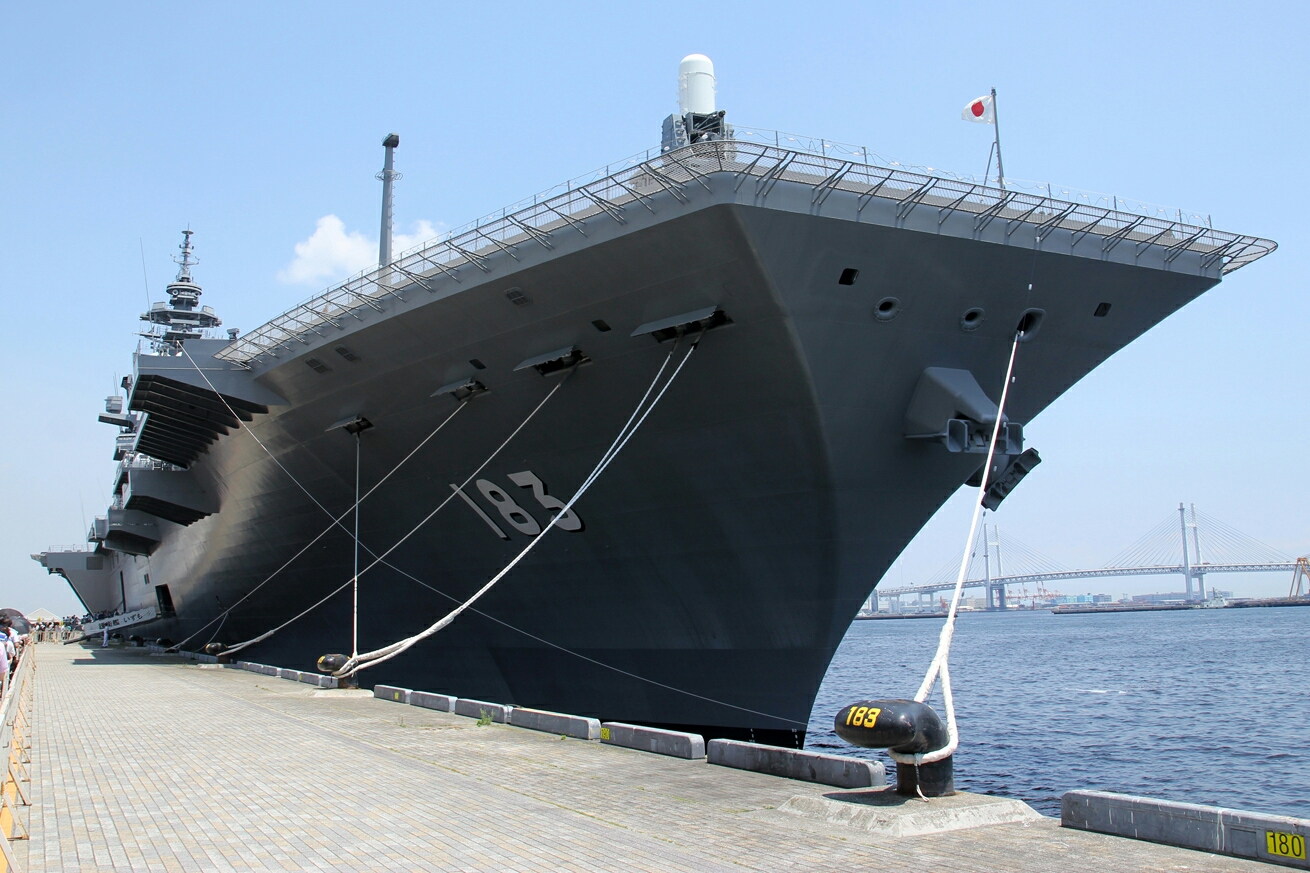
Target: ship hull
{"x": 726, "y": 549}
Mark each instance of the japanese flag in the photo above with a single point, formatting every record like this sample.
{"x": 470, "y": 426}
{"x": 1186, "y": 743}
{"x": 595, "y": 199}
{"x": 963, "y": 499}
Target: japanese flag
{"x": 981, "y": 110}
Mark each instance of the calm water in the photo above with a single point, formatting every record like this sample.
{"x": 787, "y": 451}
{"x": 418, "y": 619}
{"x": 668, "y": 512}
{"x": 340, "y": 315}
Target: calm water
{"x": 1205, "y": 706}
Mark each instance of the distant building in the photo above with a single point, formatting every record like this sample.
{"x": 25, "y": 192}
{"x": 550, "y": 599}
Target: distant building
{"x": 1172, "y": 597}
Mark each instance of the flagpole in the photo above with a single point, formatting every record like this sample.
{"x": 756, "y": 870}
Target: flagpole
{"x": 996, "y": 123}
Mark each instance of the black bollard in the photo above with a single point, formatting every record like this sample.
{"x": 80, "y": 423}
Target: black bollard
{"x": 331, "y": 664}
{"x": 934, "y": 780}
{"x": 906, "y": 727}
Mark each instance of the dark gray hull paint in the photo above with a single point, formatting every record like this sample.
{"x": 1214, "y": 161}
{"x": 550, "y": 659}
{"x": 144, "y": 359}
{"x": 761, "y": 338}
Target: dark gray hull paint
{"x": 727, "y": 549}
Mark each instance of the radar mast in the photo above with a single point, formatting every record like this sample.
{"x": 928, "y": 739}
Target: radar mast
{"x": 181, "y": 318}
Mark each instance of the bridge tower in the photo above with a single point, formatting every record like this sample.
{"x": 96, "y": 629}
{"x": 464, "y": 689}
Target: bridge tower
{"x": 1191, "y": 569}
{"x": 1187, "y": 568}
{"x": 1196, "y": 541}
{"x": 995, "y": 590}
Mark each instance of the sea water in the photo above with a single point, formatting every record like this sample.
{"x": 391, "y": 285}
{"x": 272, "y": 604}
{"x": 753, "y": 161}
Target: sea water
{"x": 1204, "y": 706}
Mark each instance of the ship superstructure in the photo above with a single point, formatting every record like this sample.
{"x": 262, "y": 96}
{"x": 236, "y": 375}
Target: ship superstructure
{"x": 853, "y": 321}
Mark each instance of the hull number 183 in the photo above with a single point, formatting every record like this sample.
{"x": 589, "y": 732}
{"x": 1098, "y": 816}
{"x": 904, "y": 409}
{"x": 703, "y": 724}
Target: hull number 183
{"x": 513, "y": 513}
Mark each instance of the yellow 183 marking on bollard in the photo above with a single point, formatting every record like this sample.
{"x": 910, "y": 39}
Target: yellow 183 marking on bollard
{"x": 1285, "y": 845}
{"x": 863, "y": 716}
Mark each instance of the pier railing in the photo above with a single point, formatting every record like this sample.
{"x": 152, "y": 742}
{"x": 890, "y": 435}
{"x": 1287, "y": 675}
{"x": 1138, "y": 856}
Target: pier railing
{"x": 16, "y": 743}
{"x": 635, "y": 182}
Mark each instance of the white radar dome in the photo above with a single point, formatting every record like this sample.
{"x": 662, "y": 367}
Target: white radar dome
{"x": 696, "y": 85}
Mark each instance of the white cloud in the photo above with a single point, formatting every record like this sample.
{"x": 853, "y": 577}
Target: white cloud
{"x": 329, "y": 253}
{"x": 332, "y": 253}
{"x": 423, "y": 231}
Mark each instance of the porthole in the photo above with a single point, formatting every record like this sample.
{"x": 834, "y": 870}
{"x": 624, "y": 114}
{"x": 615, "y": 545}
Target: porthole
{"x": 887, "y": 309}
{"x": 972, "y": 319}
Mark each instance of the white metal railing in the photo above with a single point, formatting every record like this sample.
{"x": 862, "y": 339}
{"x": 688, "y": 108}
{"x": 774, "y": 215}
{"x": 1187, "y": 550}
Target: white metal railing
{"x": 863, "y": 154}
{"x": 453, "y": 256}
{"x": 75, "y": 547}
{"x": 16, "y": 745}
{"x": 134, "y": 461}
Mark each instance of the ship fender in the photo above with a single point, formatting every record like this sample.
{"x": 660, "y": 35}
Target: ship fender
{"x": 906, "y": 727}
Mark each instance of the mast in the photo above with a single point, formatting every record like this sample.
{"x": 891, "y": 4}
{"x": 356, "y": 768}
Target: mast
{"x": 182, "y": 317}
{"x": 388, "y": 175}
{"x": 996, "y": 123}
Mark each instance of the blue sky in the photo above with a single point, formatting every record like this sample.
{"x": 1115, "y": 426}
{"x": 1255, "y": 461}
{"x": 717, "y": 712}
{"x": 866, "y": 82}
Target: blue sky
{"x": 259, "y": 124}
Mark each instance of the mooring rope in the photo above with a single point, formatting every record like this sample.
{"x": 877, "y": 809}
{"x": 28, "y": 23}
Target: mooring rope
{"x": 590, "y": 660}
{"x": 336, "y": 520}
{"x": 379, "y": 558}
{"x": 940, "y": 666}
{"x": 386, "y": 653}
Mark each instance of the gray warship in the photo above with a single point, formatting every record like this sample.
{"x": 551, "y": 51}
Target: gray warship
{"x": 852, "y": 320}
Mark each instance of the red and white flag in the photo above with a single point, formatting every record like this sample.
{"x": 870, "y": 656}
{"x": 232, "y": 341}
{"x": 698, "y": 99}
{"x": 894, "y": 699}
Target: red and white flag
{"x": 981, "y": 110}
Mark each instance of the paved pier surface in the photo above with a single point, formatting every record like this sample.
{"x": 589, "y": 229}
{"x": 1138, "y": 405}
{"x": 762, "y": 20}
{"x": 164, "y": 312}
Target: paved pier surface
{"x": 146, "y": 763}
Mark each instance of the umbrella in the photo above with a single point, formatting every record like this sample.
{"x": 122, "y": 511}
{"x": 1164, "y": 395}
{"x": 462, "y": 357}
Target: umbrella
{"x": 21, "y": 624}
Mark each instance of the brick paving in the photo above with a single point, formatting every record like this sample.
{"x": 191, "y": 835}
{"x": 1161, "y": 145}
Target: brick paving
{"x": 147, "y": 763}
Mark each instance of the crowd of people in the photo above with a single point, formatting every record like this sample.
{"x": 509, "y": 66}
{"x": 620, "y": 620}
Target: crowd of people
{"x": 92, "y": 616}
{"x": 11, "y": 646}
{"x": 54, "y": 631}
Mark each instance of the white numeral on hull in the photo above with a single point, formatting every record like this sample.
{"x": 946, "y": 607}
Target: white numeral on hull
{"x": 527, "y": 479}
{"x": 515, "y": 515}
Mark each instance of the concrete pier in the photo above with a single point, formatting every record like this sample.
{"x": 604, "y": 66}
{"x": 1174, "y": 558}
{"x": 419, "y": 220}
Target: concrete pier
{"x": 146, "y": 762}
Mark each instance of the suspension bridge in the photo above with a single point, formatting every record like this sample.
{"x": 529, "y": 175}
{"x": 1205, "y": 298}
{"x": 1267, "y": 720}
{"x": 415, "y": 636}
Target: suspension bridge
{"x": 1173, "y": 547}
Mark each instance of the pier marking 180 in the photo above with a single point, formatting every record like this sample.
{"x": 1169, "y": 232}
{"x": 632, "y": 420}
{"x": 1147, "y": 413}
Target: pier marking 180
{"x": 515, "y": 515}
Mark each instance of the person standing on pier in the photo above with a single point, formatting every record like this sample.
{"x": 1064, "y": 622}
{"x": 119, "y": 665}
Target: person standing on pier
{"x": 6, "y": 647}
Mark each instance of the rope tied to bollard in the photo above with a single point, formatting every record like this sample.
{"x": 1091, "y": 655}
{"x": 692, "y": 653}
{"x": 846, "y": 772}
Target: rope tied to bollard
{"x": 940, "y": 666}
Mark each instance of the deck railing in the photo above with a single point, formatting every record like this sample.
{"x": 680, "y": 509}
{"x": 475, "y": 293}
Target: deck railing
{"x": 16, "y": 745}
{"x": 631, "y": 186}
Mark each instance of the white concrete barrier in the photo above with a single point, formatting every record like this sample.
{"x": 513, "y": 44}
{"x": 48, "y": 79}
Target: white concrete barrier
{"x": 648, "y": 739}
{"x": 391, "y": 692}
{"x": 293, "y": 675}
{"x": 428, "y": 700}
{"x": 318, "y": 679}
{"x": 556, "y": 723}
{"x": 836, "y": 770}
{"x": 1275, "y": 839}
{"x": 477, "y": 708}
